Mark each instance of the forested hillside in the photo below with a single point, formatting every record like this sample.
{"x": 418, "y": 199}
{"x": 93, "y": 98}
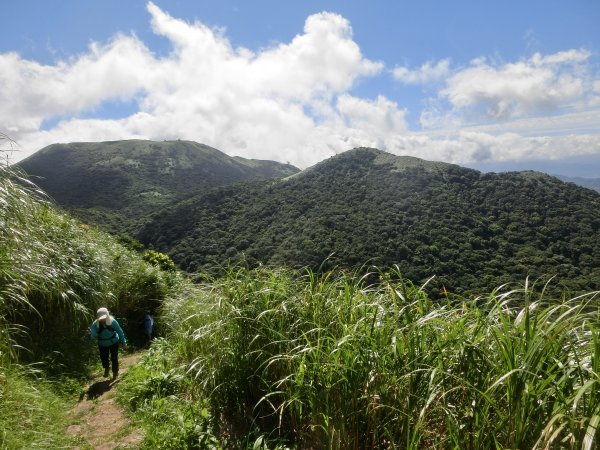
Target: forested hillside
{"x": 364, "y": 207}
{"x": 117, "y": 184}
{"x": 275, "y": 358}
{"x": 473, "y": 231}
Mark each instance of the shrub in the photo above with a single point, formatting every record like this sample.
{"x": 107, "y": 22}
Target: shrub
{"x": 159, "y": 259}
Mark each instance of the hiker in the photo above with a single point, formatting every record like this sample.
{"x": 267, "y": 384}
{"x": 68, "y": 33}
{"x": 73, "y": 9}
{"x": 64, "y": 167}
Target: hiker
{"x": 148, "y": 327}
{"x": 109, "y": 333}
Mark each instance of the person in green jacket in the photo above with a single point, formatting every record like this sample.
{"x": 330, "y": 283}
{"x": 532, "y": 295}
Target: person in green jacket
{"x": 108, "y": 332}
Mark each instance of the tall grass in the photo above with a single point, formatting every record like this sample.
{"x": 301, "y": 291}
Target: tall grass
{"x": 54, "y": 274}
{"x": 32, "y": 415}
{"x": 327, "y": 361}
{"x": 42, "y": 272}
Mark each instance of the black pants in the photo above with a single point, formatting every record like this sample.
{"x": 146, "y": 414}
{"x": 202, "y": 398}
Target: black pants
{"x": 114, "y": 357}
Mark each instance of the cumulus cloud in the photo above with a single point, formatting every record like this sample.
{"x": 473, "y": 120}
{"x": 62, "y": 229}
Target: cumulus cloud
{"x": 32, "y": 92}
{"x": 485, "y": 91}
{"x": 515, "y": 89}
{"x": 472, "y": 145}
{"x": 380, "y": 117}
{"x": 427, "y": 73}
{"x": 293, "y": 101}
{"x": 268, "y": 104}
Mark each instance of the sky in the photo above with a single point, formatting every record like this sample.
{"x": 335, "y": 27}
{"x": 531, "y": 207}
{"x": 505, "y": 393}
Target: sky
{"x": 507, "y": 85}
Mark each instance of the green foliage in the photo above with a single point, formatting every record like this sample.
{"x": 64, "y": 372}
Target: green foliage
{"x": 46, "y": 270}
{"x": 131, "y": 243}
{"x": 31, "y": 414}
{"x": 151, "y": 377}
{"x": 329, "y": 361}
{"x": 119, "y": 184}
{"x": 54, "y": 274}
{"x": 136, "y": 288}
{"x": 158, "y": 395}
{"x": 159, "y": 259}
{"x": 472, "y": 231}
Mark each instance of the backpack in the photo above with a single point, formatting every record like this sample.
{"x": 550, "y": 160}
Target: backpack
{"x": 101, "y": 328}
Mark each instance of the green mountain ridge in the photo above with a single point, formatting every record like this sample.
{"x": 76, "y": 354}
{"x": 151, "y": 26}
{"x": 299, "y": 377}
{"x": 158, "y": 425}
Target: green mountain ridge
{"x": 116, "y": 184}
{"x": 393, "y": 352}
{"x": 473, "y": 231}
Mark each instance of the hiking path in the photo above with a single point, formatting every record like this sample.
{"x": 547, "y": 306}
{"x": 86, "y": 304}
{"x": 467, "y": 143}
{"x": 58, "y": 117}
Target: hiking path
{"x": 97, "y": 421}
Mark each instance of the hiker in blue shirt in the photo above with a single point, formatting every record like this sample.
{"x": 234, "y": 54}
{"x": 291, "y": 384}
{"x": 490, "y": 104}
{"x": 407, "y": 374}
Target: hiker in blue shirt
{"x": 148, "y": 327}
{"x": 109, "y": 333}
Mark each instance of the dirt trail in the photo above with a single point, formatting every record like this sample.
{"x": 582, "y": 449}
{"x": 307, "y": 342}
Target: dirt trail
{"x": 98, "y": 422}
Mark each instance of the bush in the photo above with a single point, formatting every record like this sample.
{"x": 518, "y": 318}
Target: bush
{"x": 159, "y": 259}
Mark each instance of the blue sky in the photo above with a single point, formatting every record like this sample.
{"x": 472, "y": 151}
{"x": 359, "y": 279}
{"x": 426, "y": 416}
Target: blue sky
{"x": 492, "y": 85}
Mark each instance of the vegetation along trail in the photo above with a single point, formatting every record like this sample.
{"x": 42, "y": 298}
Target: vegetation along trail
{"x": 273, "y": 357}
{"x": 97, "y": 421}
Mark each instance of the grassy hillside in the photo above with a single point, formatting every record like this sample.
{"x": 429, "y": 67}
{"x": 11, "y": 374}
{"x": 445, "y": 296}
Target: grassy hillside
{"x": 116, "y": 184}
{"x": 54, "y": 273}
{"x": 473, "y": 231}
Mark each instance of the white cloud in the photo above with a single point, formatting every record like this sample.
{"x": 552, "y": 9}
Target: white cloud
{"x": 565, "y": 57}
{"x": 380, "y": 117}
{"x": 427, "y": 73}
{"x": 32, "y": 92}
{"x": 292, "y": 101}
{"x": 467, "y": 146}
{"x": 538, "y": 85}
{"x": 269, "y": 104}
{"x": 595, "y": 98}
{"x": 321, "y": 62}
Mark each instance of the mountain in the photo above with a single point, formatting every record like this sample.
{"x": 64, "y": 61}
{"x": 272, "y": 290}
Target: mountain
{"x": 473, "y": 231}
{"x": 118, "y": 184}
{"x": 577, "y": 167}
{"x": 590, "y": 183}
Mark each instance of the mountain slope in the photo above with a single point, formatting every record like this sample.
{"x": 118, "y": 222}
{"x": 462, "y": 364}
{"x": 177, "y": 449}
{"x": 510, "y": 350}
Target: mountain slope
{"x": 116, "y": 184}
{"x": 590, "y": 183}
{"x": 471, "y": 230}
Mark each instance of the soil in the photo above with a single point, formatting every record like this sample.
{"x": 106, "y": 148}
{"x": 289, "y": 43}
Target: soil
{"x": 97, "y": 421}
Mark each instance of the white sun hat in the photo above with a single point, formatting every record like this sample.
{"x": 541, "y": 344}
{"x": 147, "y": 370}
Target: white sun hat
{"x": 102, "y": 313}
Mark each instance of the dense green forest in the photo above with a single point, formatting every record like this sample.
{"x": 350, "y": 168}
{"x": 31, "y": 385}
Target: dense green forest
{"x": 118, "y": 184}
{"x": 473, "y": 231}
{"x": 286, "y": 359}
{"x": 363, "y": 208}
